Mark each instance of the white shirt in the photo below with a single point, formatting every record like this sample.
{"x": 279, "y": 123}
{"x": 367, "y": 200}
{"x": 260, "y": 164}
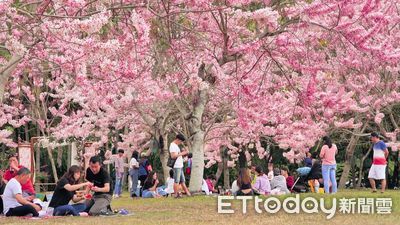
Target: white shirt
{"x": 133, "y": 163}
{"x": 175, "y": 148}
{"x": 235, "y": 187}
{"x": 204, "y": 187}
{"x": 13, "y": 188}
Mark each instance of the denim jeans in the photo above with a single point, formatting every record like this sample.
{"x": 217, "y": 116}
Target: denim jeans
{"x": 69, "y": 210}
{"x": 179, "y": 177}
{"x": 118, "y": 184}
{"x": 151, "y": 194}
{"x": 329, "y": 174}
{"x": 134, "y": 173}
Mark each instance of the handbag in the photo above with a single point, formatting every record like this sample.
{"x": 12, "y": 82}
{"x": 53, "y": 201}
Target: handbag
{"x": 171, "y": 161}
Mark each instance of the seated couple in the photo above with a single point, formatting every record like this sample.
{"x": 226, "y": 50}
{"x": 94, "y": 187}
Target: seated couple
{"x": 98, "y": 180}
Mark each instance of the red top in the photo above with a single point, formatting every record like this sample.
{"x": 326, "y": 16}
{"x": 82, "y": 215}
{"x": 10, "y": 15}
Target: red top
{"x": 27, "y": 187}
{"x": 210, "y": 185}
{"x": 289, "y": 181}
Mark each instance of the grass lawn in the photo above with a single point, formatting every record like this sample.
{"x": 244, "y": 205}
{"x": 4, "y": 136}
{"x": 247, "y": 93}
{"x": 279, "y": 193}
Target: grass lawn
{"x": 203, "y": 210}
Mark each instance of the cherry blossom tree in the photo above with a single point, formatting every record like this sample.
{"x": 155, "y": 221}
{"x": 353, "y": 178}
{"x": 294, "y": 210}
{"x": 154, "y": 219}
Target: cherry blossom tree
{"x": 222, "y": 72}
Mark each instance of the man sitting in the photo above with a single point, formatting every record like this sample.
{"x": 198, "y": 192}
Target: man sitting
{"x": 13, "y": 201}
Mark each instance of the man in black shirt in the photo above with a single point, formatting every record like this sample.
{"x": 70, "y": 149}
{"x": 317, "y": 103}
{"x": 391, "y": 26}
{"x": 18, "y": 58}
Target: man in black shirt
{"x": 101, "y": 187}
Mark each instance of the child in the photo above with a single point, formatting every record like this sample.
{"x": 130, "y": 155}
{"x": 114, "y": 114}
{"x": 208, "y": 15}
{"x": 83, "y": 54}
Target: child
{"x": 170, "y": 183}
{"x": 189, "y": 165}
{"x": 210, "y": 183}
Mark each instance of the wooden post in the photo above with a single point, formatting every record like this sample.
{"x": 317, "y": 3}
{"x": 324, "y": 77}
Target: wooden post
{"x": 37, "y": 165}
{"x": 69, "y": 153}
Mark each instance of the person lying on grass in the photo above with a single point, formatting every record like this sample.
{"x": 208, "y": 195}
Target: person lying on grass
{"x": 67, "y": 190}
{"x": 13, "y": 201}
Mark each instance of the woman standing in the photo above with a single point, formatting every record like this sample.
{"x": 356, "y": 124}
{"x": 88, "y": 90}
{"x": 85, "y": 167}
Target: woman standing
{"x": 134, "y": 172}
{"x": 327, "y": 155}
{"x": 66, "y": 191}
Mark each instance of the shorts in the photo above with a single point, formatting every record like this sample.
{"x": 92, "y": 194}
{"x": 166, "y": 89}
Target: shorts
{"x": 377, "y": 172}
{"x": 179, "y": 177}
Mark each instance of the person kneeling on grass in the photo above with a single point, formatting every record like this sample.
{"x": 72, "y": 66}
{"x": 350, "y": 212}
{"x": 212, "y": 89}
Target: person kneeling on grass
{"x": 150, "y": 189}
{"x": 96, "y": 174}
{"x": 66, "y": 191}
{"x": 13, "y": 202}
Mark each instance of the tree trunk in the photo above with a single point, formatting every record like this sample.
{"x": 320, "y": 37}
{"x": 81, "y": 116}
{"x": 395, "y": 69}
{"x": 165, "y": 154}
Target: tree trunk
{"x": 196, "y": 178}
{"x": 396, "y": 170}
{"x": 53, "y": 165}
{"x": 349, "y": 156}
{"x": 69, "y": 153}
{"x": 219, "y": 172}
{"x": 197, "y": 137}
{"x": 348, "y": 161}
{"x": 164, "y": 154}
{"x": 227, "y": 184}
{"x": 5, "y": 73}
{"x": 60, "y": 156}
{"x": 360, "y": 173}
{"x": 353, "y": 173}
{"x": 220, "y": 167}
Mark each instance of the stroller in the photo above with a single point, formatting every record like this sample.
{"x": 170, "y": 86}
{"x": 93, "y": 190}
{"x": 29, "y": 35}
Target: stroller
{"x": 306, "y": 174}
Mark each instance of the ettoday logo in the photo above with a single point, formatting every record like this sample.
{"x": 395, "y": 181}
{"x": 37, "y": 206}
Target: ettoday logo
{"x": 308, "y": 205}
